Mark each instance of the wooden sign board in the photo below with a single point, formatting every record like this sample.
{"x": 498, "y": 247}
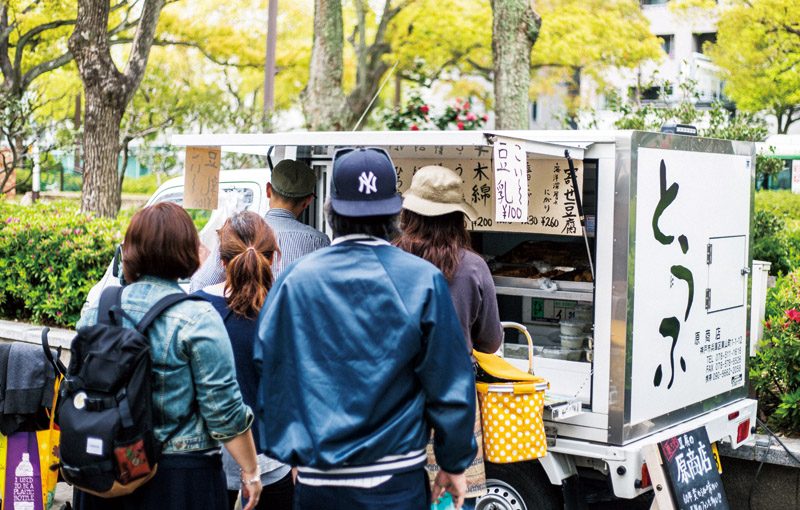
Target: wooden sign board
{"x": 691, "y": 472}
{"x": 201, "y": 178}
{"x": 551, "y": 201}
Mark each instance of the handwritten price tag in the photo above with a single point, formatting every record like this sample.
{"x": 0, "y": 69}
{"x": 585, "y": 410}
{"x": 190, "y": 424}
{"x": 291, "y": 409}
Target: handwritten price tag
{"x": 510, "y": 182}
{"x": 201, "y": 178}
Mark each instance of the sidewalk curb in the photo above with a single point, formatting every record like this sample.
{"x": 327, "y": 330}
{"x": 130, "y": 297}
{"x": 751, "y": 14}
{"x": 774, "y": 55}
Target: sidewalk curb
{"x": 13, "y": 331}
{"x": 765, "y": 449}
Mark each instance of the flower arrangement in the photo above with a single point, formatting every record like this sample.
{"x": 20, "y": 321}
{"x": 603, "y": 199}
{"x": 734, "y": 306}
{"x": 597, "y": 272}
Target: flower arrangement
{"x": 416, "y": 115}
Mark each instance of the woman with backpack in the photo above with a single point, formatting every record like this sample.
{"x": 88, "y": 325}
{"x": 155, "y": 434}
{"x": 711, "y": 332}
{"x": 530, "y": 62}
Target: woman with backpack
{"x": 196, "y": 402}
{"x": 433, "y": 227}
{"x": 247, "y": 247}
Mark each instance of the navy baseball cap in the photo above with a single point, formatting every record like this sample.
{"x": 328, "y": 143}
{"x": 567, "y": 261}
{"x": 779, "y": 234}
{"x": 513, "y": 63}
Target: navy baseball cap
{"x": 364, "y": 183}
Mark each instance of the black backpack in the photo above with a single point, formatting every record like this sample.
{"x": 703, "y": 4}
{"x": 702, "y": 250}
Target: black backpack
{"x": 108, "y": 447}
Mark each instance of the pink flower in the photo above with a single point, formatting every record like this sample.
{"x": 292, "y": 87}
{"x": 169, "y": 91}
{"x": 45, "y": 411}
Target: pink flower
{"x": 485, "y": 117}
{"x": 414, "y": 127}
{"x": 793, "y": 315}
{"x": 460, "y": 125}
{"x": 424, "y": 108}
{"x": 471, "y": 117}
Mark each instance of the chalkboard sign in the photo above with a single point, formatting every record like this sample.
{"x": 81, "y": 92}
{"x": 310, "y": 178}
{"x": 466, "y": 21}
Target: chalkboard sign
{"x": 692, "y": 472}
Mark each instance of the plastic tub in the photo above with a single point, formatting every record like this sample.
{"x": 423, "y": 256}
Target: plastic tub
{"x": 572, "y": 341}
{"x": 572, "y": 327}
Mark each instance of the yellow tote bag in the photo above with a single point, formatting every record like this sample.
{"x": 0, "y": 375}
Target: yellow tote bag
{"x": 512, "y": 407}
{"x": 29, "y": 464}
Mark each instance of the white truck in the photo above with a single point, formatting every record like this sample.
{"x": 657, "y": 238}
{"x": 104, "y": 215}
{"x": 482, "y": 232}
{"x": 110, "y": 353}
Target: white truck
{"x": 656, "y": 283}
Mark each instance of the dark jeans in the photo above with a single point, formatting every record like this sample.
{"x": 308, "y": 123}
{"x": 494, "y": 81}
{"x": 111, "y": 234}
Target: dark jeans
{"x": 275, "y": 496}
{"x": 404, "y": 491}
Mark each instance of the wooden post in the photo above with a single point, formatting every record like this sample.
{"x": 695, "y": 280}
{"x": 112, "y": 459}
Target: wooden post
{"x": 663, "y": 498}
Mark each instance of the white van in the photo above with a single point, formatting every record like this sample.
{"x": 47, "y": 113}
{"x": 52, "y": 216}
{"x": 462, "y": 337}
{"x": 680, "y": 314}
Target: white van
{"x": 244, "y": 189}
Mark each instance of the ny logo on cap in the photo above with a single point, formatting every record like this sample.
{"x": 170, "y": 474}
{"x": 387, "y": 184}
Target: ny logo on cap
{"x": 366, "y": 183}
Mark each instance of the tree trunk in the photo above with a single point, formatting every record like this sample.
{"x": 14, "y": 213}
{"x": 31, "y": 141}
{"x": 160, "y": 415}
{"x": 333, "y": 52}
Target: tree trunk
{"x": 323, "y": 99}
{"x": 573, "y": 98}
{"x": 515, "y": 28}
{"x": 101, "y": 141}
{"x": 108, "y": 92}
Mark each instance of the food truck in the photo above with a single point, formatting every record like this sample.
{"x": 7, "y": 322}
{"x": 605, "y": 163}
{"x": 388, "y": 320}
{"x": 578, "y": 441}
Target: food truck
{"x": 624, "y": 254}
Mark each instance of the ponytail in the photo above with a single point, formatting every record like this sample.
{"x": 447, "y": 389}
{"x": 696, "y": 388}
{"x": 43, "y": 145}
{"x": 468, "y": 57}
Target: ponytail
{"x": 247, "y": 245}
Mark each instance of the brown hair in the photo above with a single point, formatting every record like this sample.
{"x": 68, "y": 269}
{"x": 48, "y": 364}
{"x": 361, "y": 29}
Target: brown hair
{"x": 161, "y": 241}
{"x": 246, "y": 245}
{"x": 437, "y": 239}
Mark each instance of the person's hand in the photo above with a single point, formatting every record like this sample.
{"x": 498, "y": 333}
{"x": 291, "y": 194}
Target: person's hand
{"x": 456, "y": 485}
{"x": 251, "y": 489}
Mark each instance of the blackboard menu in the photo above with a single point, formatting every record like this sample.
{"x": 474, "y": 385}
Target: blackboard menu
{"x": 692, "y": 472}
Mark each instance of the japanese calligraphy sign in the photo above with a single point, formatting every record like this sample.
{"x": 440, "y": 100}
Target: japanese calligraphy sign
{"x": 550, "y": 204}
{"x": 201, "y": 178}
{"x": 689, "y": 328}
{"x": 692, "y": 472}
{"x": 510, "y": 182}
{"x": 796, "y": 176}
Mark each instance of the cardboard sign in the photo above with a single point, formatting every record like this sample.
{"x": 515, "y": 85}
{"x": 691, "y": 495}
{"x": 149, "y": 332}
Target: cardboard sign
{"x": 692, "y": 472}
{"x": 510, "y": 182}
{"x": 551, "y": 207}
{"x": 201, "y": 178}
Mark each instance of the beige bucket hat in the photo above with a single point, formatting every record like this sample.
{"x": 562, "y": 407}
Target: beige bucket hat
{"x": 436, "y": 190}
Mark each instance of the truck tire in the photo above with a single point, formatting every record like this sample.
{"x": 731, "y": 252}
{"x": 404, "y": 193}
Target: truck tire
{"x": 519, "y": 486}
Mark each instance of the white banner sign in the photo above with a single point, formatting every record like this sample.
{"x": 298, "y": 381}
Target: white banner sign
{"x": 796, "y": 176}
{"x": 510, "y": 182}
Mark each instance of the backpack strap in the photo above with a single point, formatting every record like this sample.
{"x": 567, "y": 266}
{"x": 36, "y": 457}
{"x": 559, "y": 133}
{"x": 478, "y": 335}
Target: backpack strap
{"x": 160, "y": 306}
{"x": 110, "y": 300}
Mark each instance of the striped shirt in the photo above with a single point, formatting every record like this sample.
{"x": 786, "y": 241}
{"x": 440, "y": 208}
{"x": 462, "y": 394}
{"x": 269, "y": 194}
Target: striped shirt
{"x": 295, "y": 239}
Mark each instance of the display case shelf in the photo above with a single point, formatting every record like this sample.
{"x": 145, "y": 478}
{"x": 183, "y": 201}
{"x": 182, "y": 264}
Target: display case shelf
{"x": 532, "y": 287}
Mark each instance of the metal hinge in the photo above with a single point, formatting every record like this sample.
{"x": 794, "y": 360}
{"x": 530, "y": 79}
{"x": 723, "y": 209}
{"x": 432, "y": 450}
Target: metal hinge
{"x": 709, "y": 249}
{"x": 708, "y": 299}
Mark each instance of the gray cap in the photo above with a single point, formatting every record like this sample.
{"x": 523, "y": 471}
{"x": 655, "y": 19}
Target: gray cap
{"x": 293, "y": 179}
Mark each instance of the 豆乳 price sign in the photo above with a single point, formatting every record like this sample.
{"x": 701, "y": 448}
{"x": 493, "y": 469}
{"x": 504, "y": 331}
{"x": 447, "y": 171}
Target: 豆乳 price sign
{"x": 510, "y": 182}
{"x": 692, "y": 472}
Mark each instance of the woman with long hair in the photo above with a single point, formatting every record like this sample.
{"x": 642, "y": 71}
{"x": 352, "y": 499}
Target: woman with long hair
{"x": 433, "y": 227}
{"x": 248, "y": 247}
{"x": 192, "y": 370}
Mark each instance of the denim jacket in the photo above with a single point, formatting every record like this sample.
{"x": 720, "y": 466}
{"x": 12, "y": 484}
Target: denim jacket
{"x": 193, "y": 368}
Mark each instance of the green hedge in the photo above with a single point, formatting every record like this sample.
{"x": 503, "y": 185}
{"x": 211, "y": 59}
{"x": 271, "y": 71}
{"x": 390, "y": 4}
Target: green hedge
{"x": 776, "y": 230}
{"x": 50, "y": 256}
{"x": 775, "y": 371}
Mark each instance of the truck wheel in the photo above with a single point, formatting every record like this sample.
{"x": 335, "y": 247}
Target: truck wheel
{"x": 519, "y": 486}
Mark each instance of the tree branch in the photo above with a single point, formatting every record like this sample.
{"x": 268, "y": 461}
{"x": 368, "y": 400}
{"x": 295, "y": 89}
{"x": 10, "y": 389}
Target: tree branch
{"x": 30, "y": 34}
{"x": 142, "y": 41}
{"x": 44, "y": 67}
{"x": 5, "y": 32}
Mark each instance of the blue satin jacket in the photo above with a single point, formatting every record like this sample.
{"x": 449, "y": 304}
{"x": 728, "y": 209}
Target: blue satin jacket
{"x": 362, "y": 353}
{"x": 192, "y": 362}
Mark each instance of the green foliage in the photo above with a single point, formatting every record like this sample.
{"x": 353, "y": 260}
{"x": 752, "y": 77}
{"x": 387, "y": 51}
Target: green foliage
{"x": 757, "y": 50}
{"x": 145, "y": 185}
{"x": 776, "y": 230}
{"x": 775, "y": 370}
{"x": 770, "y": 241}
{"x": 416, "y": 115}
{"x": 50, "y": 256}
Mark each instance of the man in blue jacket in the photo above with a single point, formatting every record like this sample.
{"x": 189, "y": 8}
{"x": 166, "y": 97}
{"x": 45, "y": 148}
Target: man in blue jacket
{"x": 362, "y": 354}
